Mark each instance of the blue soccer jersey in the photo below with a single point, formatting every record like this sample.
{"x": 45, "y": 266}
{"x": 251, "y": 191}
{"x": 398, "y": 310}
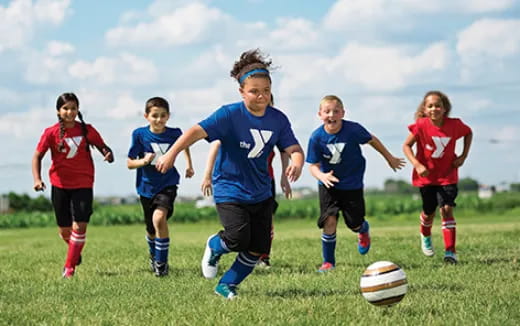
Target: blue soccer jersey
{"x": 149, "y": 181}
{"x": 241, "y": 172}
{"x": 340, "y": 152}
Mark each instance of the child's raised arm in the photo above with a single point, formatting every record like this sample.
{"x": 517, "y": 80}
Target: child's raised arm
{"x": 394, "y": 162}
{"x": 165, "y": 162}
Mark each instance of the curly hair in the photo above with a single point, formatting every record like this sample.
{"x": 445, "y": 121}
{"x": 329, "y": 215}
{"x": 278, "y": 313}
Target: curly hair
{"x": 446, "y": 104}
{"x": 250, "y": 60}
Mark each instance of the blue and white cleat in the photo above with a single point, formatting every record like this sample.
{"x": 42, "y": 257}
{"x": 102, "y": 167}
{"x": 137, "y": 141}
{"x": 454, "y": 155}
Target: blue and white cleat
{"x": 227, "y": 291}
{"x": 209, "y": 263}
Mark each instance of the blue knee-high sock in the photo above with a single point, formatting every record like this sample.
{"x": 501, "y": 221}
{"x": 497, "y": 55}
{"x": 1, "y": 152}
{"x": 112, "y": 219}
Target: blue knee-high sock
{"x": 151, "y": 245}
{"x": 161, "y": 249}
{"x": 218, "y": 245}
{"x": 328, "y": 248}
{"x": 364, "y": 227}
{"x": 243, "y": 266}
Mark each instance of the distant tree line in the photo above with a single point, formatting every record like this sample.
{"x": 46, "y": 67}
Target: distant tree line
{"x": 24, "y": 202}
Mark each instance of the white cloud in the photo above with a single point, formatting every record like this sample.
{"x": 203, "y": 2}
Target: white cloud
{"x": 190, "y": 24}
{"x": 493, "y": 38}
{"x": 294, "y": 34}
{"x": 56, "y": 48}
{"x": 20, "y": 19}
{"x": 125, "y": 107}
{"x": 126, "y": 68}
{"x": 388, "y": 68}
{"x": 354, "y": 13}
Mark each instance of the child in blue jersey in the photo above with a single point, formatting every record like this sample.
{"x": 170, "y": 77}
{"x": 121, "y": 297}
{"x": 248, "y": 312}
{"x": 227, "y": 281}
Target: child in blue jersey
{"x": 247, "y": 131}
{"x": 336, "y": 161}
{"x": 157, "y": 191}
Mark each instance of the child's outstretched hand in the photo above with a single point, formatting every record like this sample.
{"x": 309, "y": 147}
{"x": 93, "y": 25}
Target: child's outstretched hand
{"x": 39, "y": 185}
{"x": 396, "y": 163}
{"x": 190, "y": 172}
{"x": 164, "y": 163}
{"x": 328, "y": 179}
{"x": 293, "y": 172}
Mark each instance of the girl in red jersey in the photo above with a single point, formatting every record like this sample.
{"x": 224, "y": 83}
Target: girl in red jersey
{"x": 436, "y": 166}
{"x": 71, "y": 174}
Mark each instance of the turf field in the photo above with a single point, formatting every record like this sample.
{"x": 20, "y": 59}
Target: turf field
{"x": 114, "y": 287}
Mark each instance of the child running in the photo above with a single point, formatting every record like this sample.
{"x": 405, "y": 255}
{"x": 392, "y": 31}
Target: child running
{"x": 248, "y": 131}
{"x": 207, "y": 189}
{"x": 71, "y": 174}
{"x": 157, "y": 191}
{"x": 436, "y": 167}
{"x": 336, "y": 161}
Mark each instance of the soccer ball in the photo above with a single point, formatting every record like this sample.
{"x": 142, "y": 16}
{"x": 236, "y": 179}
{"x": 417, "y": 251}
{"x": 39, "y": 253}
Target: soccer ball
{"x": 383, "y": 283}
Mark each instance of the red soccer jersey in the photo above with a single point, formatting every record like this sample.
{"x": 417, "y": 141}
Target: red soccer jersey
{"x": 72, "y": 168}
{"x": 436, "y": 150}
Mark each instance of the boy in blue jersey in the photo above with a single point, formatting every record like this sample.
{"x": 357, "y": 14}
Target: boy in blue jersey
{"x": 157, "y": 191}
{"x": 336, "y": 161}
{"x": 247, "y": 131}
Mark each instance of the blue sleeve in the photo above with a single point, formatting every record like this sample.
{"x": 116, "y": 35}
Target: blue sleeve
{"x": 313, "y": 151}
{"x": 136, "y": 147}
{"x": 287, "y": 137}
{"x": 362, "y": 135}
{"x": 216, "y": 125}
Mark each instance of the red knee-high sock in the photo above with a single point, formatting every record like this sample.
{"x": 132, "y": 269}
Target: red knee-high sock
{"x": 426, "y": 225}
{"x": 65, "y": 239}
{"x": 449, "y": 232}
{"x": 76, "y": 244}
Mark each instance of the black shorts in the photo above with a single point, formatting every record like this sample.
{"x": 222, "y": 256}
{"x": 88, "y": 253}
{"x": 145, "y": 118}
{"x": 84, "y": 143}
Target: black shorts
{"x": 438, "y": 196}
{"x": 246, "y": 226}
{"x": 351, "y": 203}
{"x": 164, "y": 199}
{"x": 273, "y": 191}
{"x": 72, "y": 205}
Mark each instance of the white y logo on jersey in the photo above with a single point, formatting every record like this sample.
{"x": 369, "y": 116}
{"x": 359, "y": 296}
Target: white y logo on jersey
{"x": 73, "y": 143}
{"x": 159, "y": 150}
{"x": 440, "y": 145}
{"x": 260, "y": 137}
{"x": 336, "y": 150}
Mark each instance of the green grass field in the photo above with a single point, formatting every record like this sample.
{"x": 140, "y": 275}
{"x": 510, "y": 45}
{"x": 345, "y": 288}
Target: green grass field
{"x": 114, "y": 287}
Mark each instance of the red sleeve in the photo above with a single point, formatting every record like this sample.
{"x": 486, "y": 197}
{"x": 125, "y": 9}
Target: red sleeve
{"x": 43, "y": 144}
{"x": 94, "y": 137}
{"x": 463, "y": 128}
{"x": 413, "y": 129}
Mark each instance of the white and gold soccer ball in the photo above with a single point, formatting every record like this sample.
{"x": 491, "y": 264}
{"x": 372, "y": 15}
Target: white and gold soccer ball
{"x": 383, "y": 283}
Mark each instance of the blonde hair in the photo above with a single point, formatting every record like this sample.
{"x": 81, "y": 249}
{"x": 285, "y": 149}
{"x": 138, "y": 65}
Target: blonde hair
{"x": 330, "y": 98}
{"x": 446, "y": 104}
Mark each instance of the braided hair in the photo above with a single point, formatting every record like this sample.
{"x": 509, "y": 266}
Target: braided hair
{"x": 62, "y": 100}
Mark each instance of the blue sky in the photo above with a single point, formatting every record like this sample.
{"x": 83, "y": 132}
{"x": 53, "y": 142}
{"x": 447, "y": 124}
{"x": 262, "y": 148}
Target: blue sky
{"x": 379, "y": 56}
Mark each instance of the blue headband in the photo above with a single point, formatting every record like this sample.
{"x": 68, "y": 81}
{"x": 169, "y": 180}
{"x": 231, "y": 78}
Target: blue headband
{"x": 252, "y": 72}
